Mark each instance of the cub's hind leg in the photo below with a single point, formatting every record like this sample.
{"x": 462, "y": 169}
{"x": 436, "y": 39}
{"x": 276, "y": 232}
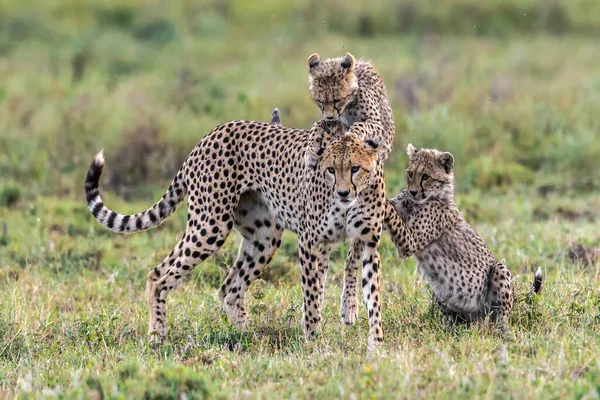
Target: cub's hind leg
{"x": 500, "y": 297}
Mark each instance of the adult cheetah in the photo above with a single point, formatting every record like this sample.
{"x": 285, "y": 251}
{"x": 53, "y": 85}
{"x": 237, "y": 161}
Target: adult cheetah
{"x": 353, "y": 92}
{"x": 467, "y": 282}
{"x": 251, "y": 176}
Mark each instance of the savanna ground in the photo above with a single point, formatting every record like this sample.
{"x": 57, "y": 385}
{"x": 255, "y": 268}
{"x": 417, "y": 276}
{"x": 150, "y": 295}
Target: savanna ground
{"x": 510, "y": 88}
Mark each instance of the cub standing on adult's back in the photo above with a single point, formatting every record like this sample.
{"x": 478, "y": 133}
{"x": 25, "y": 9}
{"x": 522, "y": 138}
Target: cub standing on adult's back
{"x": 467, "y": 282}
{"x": 352, "y": 92}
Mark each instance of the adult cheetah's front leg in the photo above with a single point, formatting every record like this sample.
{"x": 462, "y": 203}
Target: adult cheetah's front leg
{"x": 370, "y": 284}
{"x": 349, "y": 301}
{"x": 323, "y": 263}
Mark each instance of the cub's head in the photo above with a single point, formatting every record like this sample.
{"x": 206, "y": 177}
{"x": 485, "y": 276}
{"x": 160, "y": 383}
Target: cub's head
{"x": 429, "y": 173}
{"x": 333, "y": 84}
{"x": 349, "y": 164}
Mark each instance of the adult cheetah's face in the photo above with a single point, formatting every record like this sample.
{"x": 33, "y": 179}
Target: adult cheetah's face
{"x": 429, "y": 173}
{"x": 349, "y": 165}
{"x": 333, "y": 84}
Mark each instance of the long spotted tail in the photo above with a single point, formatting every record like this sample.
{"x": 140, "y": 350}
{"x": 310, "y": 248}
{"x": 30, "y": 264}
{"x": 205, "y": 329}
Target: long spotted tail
{"x": 136, "y": 222}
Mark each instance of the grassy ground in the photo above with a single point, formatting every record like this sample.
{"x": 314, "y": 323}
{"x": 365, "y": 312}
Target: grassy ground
{"x": 513, "y": 101}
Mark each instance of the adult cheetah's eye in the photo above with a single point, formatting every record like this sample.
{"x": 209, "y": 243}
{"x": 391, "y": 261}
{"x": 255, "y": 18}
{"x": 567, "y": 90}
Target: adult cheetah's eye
{"x": 336, "y": 101}
{"x": 355, "y": 169}
{"x": 425, "y": 177}
{"x": 319, "y": 103}
{"x": 331, "y": 170}
{"x": 409, "y": 174}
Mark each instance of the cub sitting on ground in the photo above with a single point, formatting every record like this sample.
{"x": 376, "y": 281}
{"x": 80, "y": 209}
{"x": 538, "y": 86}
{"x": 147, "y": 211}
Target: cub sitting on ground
{"x": 467, "y": 282}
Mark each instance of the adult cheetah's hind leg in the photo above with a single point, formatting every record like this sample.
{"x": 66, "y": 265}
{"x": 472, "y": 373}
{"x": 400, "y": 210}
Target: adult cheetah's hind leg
{"x": 199, "y": 242}
{"x": 499, "y": 297}
{"x": 261, "y": 239}
{"x": 157, "y": 308}
{"x": 249, "y": 204}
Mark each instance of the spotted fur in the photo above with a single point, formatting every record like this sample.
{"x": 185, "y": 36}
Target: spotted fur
{"x": 467, "y": 282}
{"x": 352, "y": 92}
{"x": 250, "y": 176}
{"x": 131, "y": 223}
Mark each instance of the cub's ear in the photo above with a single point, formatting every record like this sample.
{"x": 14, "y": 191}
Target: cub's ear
{"x": 411, "y": 150}
{"x": 348, "y": 63}
{"x": 313, "y": 61}
{"x": 447, "y": 161}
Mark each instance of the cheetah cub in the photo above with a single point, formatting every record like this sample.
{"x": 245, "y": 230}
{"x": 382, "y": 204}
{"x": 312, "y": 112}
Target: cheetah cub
{"x": 351, "y": 91}
{"x": 468, "y": 284}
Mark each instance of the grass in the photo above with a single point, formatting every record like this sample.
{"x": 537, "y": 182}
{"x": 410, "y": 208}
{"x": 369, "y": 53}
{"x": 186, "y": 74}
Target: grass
{"x": 514, "y": 100}
{"x": 74, "y": 319}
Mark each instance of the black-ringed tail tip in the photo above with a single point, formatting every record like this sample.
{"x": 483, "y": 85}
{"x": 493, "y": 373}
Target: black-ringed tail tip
{"x": 537, "y": 281}
{"x": 122, "y": 223}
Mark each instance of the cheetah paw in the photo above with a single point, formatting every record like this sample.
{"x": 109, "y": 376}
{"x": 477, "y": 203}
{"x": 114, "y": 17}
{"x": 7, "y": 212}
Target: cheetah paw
{"x": 235, "y": 313}
{"x": 373, "y": 344}
{"x": 349, "y": 311}
{"x": 156, "y": 338}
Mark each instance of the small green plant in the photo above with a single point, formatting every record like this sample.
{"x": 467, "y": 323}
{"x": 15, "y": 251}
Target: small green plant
{"x": 10, "y": 195}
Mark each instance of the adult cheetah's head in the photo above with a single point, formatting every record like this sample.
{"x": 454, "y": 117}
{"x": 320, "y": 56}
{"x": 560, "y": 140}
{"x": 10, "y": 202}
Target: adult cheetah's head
{"x": 429, "y": 173}
{"x": 333, "y": 84}
{"x": 349, "y": 164}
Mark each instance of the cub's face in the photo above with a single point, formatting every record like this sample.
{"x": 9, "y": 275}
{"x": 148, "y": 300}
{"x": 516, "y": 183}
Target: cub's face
{"x": 333, "y": 84}
{"x": 349, "y": 164}
{"x": 429, "y": 173}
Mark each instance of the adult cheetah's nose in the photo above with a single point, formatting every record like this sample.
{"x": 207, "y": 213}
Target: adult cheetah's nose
{"x": 413, "y": 193}
{"x": 344, "y": 193}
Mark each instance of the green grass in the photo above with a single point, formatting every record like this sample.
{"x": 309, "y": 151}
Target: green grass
{"x": 514, "y": 99}
{"x": 74, "y": 318}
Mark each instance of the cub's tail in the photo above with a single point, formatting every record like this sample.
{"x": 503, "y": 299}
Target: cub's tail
{"x": 136, "y": 222}
{"x": 275, "y": 117}
{"x": 536, "y": 285}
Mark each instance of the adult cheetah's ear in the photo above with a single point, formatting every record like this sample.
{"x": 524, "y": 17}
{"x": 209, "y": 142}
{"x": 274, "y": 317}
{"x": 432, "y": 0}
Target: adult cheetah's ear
{"x": 411, "y": 150}
{"x": 348, "y": 63}
{"x": 313, "y": 61}
{"x": 447, "y": 161}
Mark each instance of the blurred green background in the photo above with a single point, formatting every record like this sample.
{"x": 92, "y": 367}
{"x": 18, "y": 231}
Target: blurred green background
{"x": 510, "y": 87}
